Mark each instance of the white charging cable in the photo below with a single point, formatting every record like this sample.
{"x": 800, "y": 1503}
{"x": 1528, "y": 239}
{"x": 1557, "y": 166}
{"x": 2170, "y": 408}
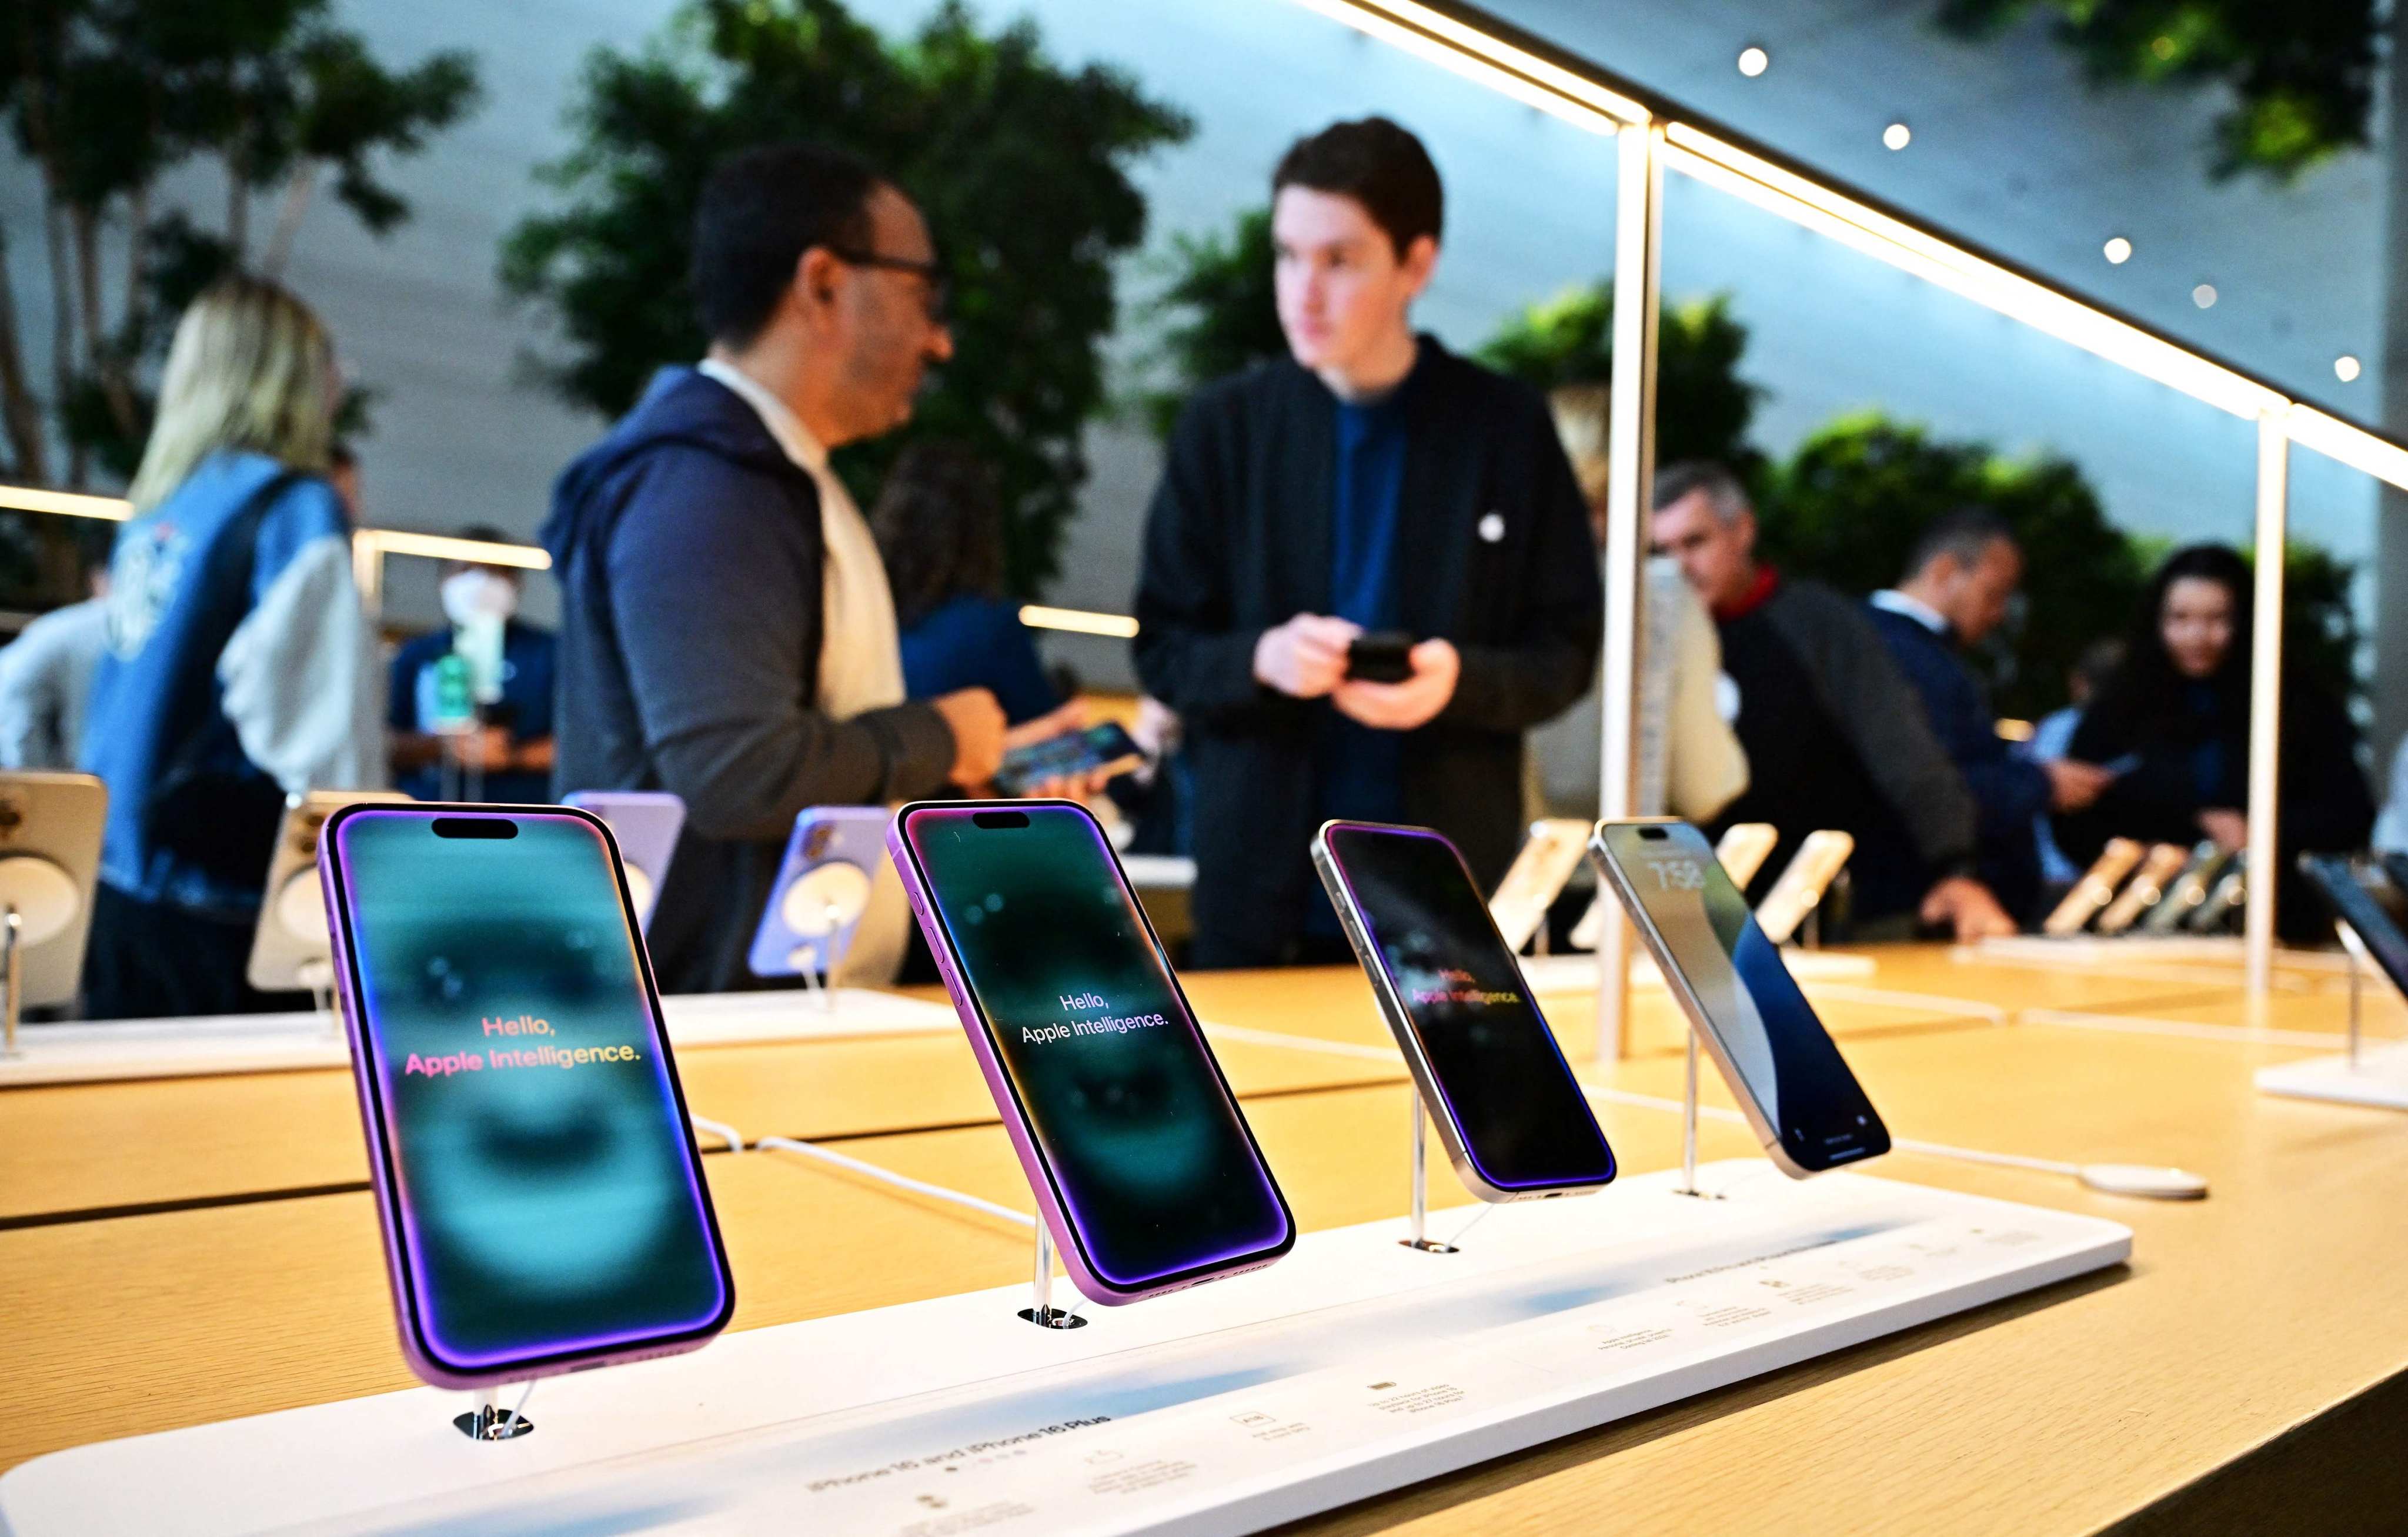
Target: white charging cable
{"x": 721, "y": 1129}
{"x": 901, "y": 1181}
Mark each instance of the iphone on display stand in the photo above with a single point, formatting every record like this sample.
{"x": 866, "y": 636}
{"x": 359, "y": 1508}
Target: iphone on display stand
{"x": 1741, "y": 851}
{"x": 2095, "y": 890}
{"x": 50, "y": 858}
{"x": 2215, "y": 915}
{"x": 290, "y": 946}
{"x": 2189, "y": 891}
{"x": 2162, "y": 863}
{"x": 539, "y": 1189}
{"x": 1146, "y": 1175}
{"x": 1536, "y": 878}
{"x": 1512, "y": 1116}
{"x": 822, "y": 889}
{"x": 1742, "y": 1005}
{"x": 646, "y": 824}
{"x": 1810, "y": 872}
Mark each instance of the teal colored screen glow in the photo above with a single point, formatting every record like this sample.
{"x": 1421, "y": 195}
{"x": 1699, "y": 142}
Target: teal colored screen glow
{"x": 544, "y": 1181}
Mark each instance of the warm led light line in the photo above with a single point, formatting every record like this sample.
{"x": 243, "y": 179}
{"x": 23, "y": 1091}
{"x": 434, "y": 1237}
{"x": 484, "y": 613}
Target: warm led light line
{"x": 1468, "y": 41}
{"x": 1120, "y": 626}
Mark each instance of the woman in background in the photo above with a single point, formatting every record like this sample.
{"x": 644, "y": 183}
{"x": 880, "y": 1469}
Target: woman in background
{"x": 240, "y": 665}
{"x": 2174, "y": 721}
{"x": 939, "y": 527}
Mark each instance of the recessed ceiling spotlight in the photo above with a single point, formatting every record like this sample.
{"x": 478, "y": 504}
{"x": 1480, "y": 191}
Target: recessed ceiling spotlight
{"x": 2203, "y": 295}
{"x": 1754, "y": 61}
{"x": 1897, "y": 136}
{"x": 2346, "y": 368}
{"x": 2118, "y": 250}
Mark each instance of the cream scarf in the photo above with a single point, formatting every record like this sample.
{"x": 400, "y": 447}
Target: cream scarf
{"x": 860, "y": 659}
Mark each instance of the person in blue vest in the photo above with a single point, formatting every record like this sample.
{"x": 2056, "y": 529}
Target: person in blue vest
{"x": 1372, "y": 481}
{"x": 1960, "y": 579}
{"x": 510, "y": 742}
{"x": 241, "y": 663}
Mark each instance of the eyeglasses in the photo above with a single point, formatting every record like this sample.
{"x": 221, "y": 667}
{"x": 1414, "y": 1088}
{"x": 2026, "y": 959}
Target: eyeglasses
{"x": 931, "y": 276}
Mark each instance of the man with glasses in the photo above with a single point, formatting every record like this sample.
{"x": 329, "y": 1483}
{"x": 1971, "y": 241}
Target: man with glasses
{"x": 726, "y": 629}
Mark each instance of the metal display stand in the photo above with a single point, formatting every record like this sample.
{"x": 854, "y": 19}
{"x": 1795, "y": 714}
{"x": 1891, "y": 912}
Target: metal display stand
{"x": 1040, "y": 1310}
{"x": 1688, "y": 1186}
{"x": 488, "y": 1421}
{"x": 1420, "y": 1237}
{"x": 2359, "y": 962}
{"x": 38, "y": 901}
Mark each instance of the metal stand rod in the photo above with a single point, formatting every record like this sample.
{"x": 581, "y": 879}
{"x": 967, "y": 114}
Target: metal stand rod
{"x": 1688, "y": 1186}
{"x": 490, "y": 1421}
{"x": 13, "y": 998}
{"x": 2354, "y": 947}
{"x": 1041, "y": 1311}
{"x": 1420, "y": 1237}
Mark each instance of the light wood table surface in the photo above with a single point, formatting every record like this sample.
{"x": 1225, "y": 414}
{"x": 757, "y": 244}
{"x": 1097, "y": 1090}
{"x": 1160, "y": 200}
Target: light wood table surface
{"x": 75, "y": 1150}
{"x": 2161, "y": 1392}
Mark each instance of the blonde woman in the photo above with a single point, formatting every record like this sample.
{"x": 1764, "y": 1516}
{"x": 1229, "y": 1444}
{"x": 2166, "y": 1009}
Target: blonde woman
{"x": 239, "y": 662}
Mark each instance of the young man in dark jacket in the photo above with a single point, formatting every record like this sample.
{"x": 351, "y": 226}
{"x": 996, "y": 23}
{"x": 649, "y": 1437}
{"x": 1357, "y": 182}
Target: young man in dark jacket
{"x": 1959, "y": 579}
{"x": 727, "y": 631}
{"x": 1835, "y": 737}
{"x": 1373, "y": 482}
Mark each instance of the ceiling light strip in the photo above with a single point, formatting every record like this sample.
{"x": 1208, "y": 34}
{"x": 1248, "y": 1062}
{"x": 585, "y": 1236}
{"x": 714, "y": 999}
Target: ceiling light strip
{"x": 2340, "y": 441}
{"x": 1120, "y": 626}
{"x": 71, "y": 504}
{"x": 397, "y": 541}
{"x": 1507, "y": 70}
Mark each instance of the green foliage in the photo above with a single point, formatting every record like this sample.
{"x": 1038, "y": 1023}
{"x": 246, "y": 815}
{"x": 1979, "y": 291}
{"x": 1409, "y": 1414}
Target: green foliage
{"x": 1848, "y": 506}
{"x": 1221, "y": 286}
{"x": 104, "y": 95}
{"x": 1702, "y": 405}
{"x": 2301, "y": 72}
{"x": 1020, "y": 166}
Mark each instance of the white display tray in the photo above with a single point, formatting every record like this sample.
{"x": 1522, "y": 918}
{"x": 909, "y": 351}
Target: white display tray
{"x": 1353, "y": 1367}
{"x": 2379, "y": 1078}
{"x": 182, "y": 1048}
{"x": 2218, "y": 949}
{"x": 1555, "y": 975}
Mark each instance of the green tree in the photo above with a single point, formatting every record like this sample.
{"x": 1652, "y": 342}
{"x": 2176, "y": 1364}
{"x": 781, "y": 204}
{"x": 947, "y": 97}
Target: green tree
{"x": 2301, "y": 72}
{"x": 105, "y": 96}
{"x": 1702, "y": 405}
{"x": 1021, "y": 165}
{"x": 1848, "y": 506}
{"x": 1221, "y": 314}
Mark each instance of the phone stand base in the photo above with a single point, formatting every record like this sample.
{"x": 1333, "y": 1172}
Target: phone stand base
{"x": 1428, "y": 1245}
{"x": 2378, "y": 1078}
{"x": 1053, "y": 1317}
{"x": 489, "y": 1422}
{"x": 1349, "y": 1369}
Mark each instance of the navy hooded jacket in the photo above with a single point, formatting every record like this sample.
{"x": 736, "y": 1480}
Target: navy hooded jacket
{"x": 687, "y": 547}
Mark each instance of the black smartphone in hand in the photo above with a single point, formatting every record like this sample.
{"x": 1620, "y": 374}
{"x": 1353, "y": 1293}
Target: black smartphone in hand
{"x": 1380, "y": 656}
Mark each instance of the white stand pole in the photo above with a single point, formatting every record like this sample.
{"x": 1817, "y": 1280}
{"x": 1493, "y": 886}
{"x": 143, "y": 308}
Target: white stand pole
{"x": 1688, "y": 1186}
{"x": 2265, "y": 699}
{"x": 2356, "y": 948}
{"x": 1041, "y": 1311}
{"x": 1630, "y": 459}
{"x": 1420, "y": 1237}
{"x": 12, "y": 998}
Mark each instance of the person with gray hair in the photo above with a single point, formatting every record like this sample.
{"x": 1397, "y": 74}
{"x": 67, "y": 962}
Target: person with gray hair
{"x": 1834, "y": 734}
{"x": 1960, "y": 581}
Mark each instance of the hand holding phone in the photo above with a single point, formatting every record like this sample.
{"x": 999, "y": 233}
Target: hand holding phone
{"x": 1100, "y": 752}
{"x": 539, "y": 1192}
{"x": 1380, "y": 656}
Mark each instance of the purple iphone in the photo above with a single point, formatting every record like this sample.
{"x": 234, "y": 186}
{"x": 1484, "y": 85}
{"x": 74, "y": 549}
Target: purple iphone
{"x": 541, "y": 1198}
{"x": 646, "y": 823}
{"x": 1143, "y": 1168}
{"x": 823, "y": 888}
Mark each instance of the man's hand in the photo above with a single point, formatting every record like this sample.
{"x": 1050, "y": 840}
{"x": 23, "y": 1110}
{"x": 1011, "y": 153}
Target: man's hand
{"x": 1305, "y": 658}
{"x": 1069, "y": 718}
{"x": 2074, "y": 784}
{"x": 2229, "y": 828}
{"x": 976, "y": 722}
{"x": 1967, "y": 905}
{"x": 1414, "y": 702}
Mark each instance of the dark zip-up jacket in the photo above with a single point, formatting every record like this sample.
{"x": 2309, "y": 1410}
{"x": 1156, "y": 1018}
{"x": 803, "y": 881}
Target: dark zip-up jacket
{"x": 1493, "y": 553}
{"x": 688, "y": 551}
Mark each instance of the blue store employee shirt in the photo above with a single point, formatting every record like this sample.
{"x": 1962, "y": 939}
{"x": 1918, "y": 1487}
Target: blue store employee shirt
{"x": 1359, "y": 772}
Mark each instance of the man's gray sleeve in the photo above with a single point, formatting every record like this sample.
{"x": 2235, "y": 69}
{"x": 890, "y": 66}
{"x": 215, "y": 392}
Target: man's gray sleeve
{"x": 1883, "y": 718}
{"x": 715, "y": 599}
